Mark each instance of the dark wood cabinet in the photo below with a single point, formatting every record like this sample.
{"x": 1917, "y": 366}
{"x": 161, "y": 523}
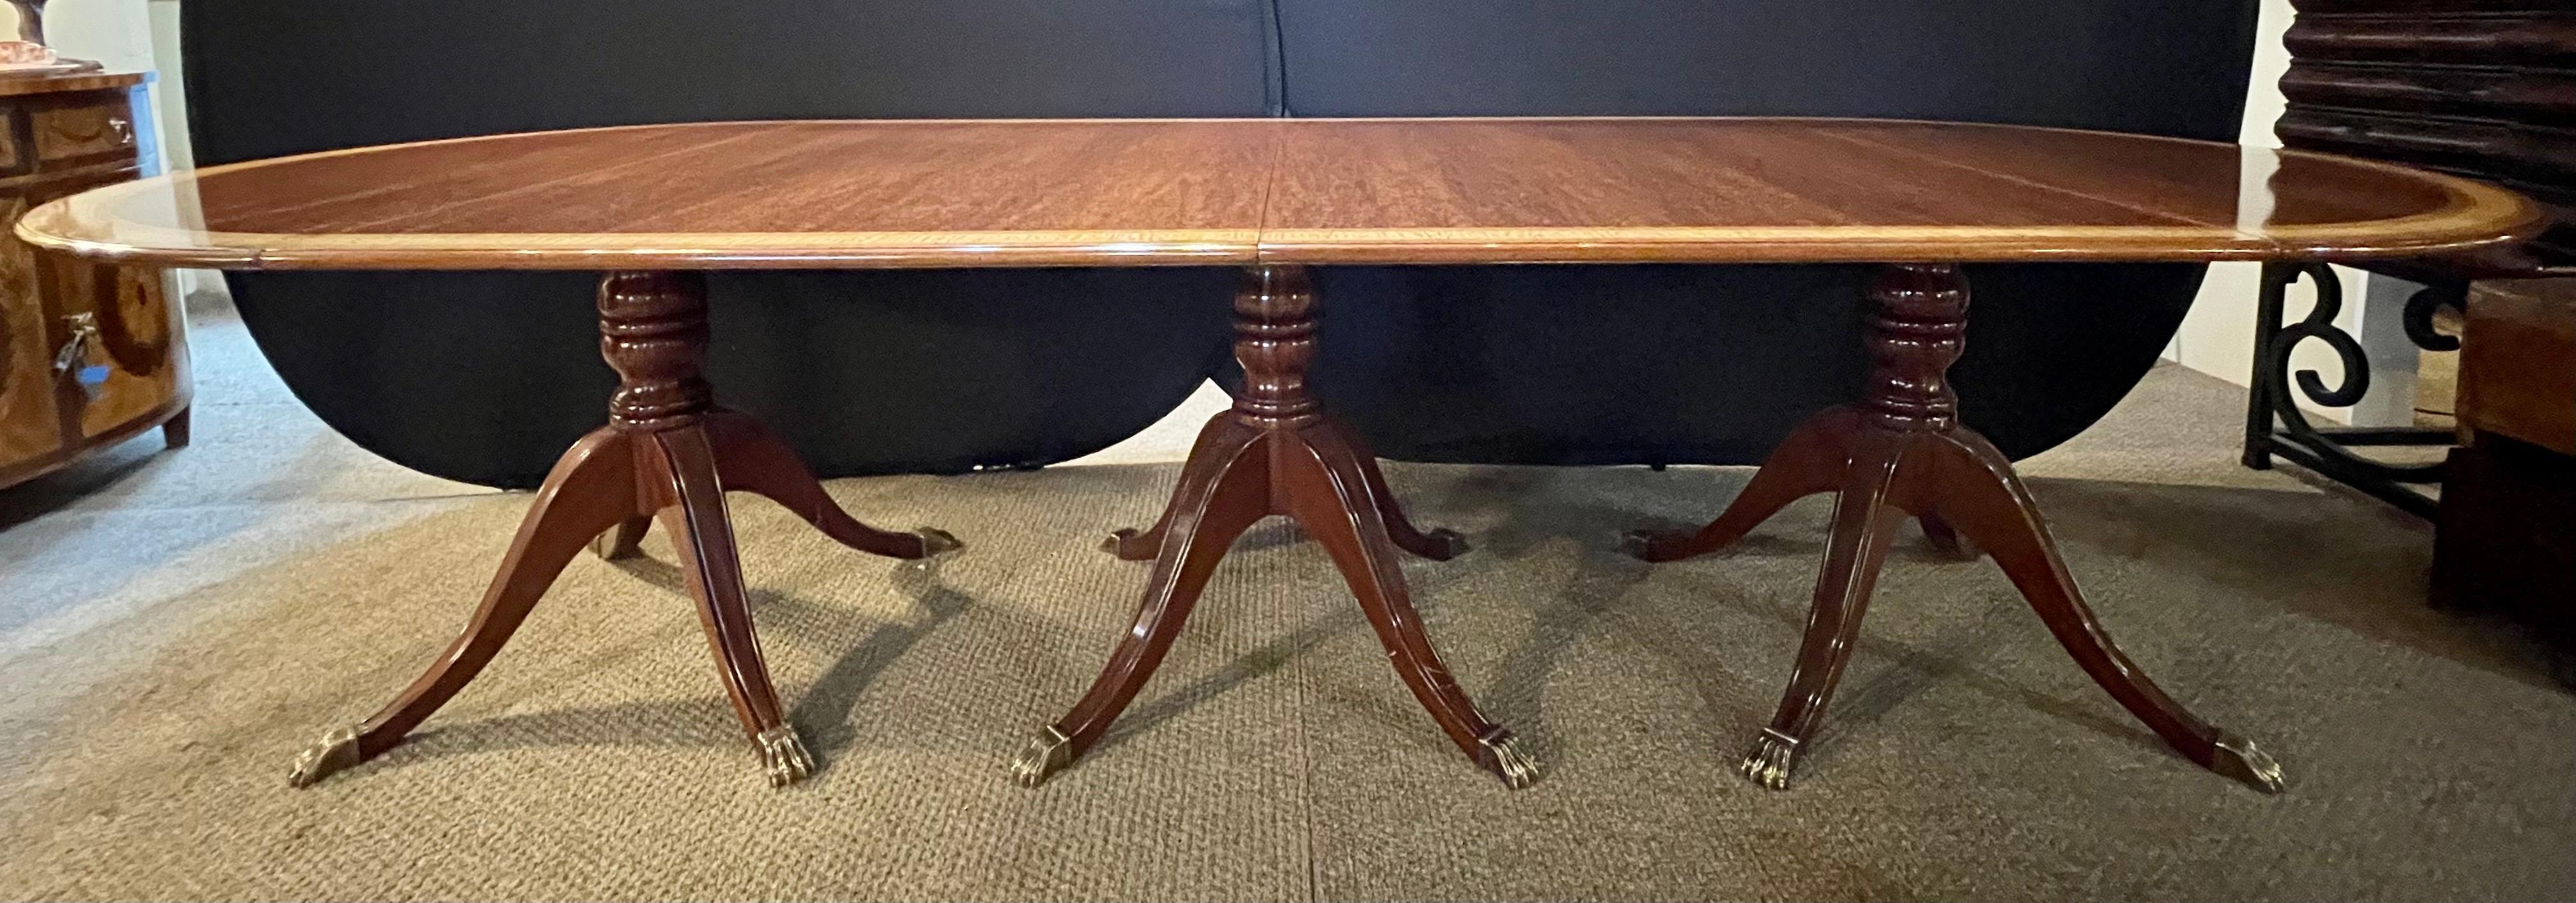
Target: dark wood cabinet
{"x": 90, "y": 355}
{"x": 2481, "y": 88}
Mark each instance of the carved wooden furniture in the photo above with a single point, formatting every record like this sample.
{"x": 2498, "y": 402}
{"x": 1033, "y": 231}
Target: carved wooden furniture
{"x": 2483, "y": 89}
{"x": 653, "y": 206}
{"x": 90, "y": 355}
{"x": 1277, "y": 197}
{"x": 1277, "y": 452}
{"x": 1917, "y": 197}
{"x": 667, "y": 452}
{"x": 1901, "y": 451}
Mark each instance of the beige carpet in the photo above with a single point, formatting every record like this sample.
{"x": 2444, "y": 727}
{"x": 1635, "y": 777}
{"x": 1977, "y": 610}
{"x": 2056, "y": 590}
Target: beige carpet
{"x": 1276, "y": 756}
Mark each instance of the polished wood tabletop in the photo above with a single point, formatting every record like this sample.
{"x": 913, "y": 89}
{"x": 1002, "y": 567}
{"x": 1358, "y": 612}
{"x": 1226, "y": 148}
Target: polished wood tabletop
{"x": 951, "y": 193}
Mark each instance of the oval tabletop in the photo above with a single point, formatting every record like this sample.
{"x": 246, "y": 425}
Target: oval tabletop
{"x": 950, "y": 193}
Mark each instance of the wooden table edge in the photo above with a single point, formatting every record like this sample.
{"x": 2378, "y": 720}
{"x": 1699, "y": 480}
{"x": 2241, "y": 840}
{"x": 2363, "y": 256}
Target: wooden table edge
{"x": 2478, "y": 209}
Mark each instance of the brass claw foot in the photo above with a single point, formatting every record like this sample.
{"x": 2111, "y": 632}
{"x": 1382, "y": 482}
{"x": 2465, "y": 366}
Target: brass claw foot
{"x": 1502, "y": 755}
{"x": 783, "y": 755}
{"x": 935, "y": 541}
{"x": 1047, "y": 753}
{"x": 1118, "y": 538}
{"x": 2237, "y": 758}
{"x": 1769, "y": 762}
{"x": 338, "y": 750}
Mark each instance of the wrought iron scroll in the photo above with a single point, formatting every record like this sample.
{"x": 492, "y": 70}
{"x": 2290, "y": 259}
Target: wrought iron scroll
{"x": 2275, "y": 424}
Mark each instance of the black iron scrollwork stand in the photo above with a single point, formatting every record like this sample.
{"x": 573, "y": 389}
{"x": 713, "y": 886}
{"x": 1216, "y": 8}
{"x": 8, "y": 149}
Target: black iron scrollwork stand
{"x": 2274, "y": 425}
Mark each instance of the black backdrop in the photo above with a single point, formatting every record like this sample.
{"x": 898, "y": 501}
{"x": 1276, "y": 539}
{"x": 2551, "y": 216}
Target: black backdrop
{"x": 485, "y": 377}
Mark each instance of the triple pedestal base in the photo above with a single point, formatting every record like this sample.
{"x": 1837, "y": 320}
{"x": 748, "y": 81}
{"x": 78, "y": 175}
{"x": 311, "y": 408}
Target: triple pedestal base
{"x": 1900, "y": 451}
{"x": 1277, "y": 453}
{"x": 666, "y": 453}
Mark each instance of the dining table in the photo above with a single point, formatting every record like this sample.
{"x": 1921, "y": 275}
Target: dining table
{"x": 654, "y": 207}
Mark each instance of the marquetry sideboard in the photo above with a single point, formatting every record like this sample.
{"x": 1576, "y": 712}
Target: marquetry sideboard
{"x": 90, "y": 354}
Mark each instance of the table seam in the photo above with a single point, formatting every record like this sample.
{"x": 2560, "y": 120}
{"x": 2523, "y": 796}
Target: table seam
{"x": 2264, "y": 241}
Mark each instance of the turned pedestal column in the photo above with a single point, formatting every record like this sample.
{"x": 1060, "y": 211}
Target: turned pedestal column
{"x": 668, "y": 453}
{"x": 1278, "y": 453}
{"x": 1899, "y": 451}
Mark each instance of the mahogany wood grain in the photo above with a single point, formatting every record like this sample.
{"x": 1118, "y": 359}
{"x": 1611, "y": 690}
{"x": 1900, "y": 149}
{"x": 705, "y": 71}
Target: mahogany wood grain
{"x": 666, "y": 451}
{"x": 716, "y": 195}
{"x": 1770, "y": 190}
{"x": 1277, "y": 453}
{"x": 1134, "y": 192}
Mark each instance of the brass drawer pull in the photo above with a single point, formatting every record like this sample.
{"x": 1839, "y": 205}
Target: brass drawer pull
{"x": 76, "y": 132}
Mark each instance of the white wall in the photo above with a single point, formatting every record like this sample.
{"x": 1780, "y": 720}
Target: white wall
{"x": 117, "y": 33}
{"x": 2217, "y": 338}
{"x": 114, "y": 32}
{"x": 131, "y": 36}
{"x": 170, "y": 93}
{"x": 137, "y": 36}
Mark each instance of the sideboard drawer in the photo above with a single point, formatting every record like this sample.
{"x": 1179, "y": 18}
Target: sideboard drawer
{"x": 83, "y": 130}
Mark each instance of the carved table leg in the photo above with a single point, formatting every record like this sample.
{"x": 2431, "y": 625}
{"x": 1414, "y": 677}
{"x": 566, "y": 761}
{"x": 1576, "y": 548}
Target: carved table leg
{"x": 1811, "y": 460}
{"x": 1439, "y": 544}
{"x": 1277, "y": 453}
{"x": 1130, "y": 545}
{"x": 1902, "y": 450}
{"x": 666, "y": 451}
